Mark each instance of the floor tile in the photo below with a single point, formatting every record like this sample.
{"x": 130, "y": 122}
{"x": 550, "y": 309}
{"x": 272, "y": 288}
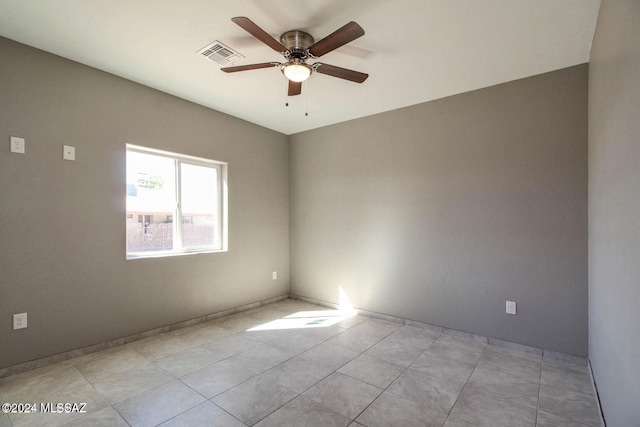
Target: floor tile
{"x": 376, "y": 372}
{"x": 297, "y": 374}
{"x": 395, "y": 353}
{"x": 324, "y": 333}
{"x": 260, "y": 336}
{"x": 230, "y": 346}
{"x": 450, "y": 350}
{"x": 295, "y": 342}
{"x": 83, "y": 393}
{"x": 254, "y": 399}
{"x": 568, "y": 378}
{"x": 105, "y": 363}
{"x": 498, "y": 343}
{"x": 126, "y": 384}
{"x": 557, "y": 364}
{"x": 304, "y": 412}
{"x": 217, "y": 378}
{"x": 429, "y": 392}
{"x": 106, "y": 417}
{"x": 504, "y": 385}
{"x": 237, "y": 322}
{"x": 265, "y": 314}
{"x": 568, "y": 404}
{"x": 160, "y": 346}
{"x": 260, "y": 358}
{"x": 546, "y": 419}
{"x": 512, "y": 352}
{"x": 329, "y": 355}
{"x": 202, "y": 334}
{"x": 462, "y": 342}
{"x": 39, "y": 419}
{"x": 187, "y": 361}
{"x": 514, "y": 365}
{"x": 353, "y": 340}
{"x": 413, "y": 336}
{"x": 343, "y": 394}
{"x": 392, "y": 410}
{"x": 468, "y": 337}
{"x": 298, "y": 367}
{"x": 352, "y": 321}
{"x": 40, "y": 382}
{"x": 205, "y": 414}
{"x": 285, "y": 305}
{"x": 376, "y": 328}
{"x": 475, "y": 408}
{"x": 316, "y": 318}
{"x": 445, "y": 369}
{"x": 73, "y": 391}
{"x": 159, "y": 404}
{"x": 290, "y": 306}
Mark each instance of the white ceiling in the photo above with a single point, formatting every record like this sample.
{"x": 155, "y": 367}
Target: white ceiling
{"x": 413, "y": 50}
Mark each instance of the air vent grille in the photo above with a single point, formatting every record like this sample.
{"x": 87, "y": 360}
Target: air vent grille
{"x": 220, "y": 53}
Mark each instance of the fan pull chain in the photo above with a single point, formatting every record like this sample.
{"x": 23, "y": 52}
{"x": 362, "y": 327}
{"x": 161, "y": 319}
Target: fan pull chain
{"x": 286, "y": 98}
{"x": 306, "y": 98}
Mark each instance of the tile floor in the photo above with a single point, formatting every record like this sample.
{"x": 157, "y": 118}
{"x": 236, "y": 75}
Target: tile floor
{"x": 291, "y": 363}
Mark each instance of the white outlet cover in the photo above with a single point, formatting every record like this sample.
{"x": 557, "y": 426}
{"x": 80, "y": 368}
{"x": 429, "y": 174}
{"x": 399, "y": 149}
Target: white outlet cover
{"x": 511, "y": 307}
{"x": 20, "y": 321}
{"x": 68, "y": 152}
{"x": 274, "y": 275}
{"x": 17, "y": 145}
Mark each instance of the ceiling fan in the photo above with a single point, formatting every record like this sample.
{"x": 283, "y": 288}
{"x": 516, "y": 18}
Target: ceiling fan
{"x": 298, "y": 47}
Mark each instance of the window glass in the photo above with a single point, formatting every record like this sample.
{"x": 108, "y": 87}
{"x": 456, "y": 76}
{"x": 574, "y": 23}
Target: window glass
{"x": 199, "y": 208}
{"x": 174, "y": 203}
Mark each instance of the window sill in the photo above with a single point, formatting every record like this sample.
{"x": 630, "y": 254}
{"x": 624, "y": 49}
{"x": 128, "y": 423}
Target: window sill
{"x": 145, "y": 255}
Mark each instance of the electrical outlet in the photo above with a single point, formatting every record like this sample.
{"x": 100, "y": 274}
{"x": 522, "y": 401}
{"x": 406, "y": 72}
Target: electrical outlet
{"x": 68, "y": 152}
{"x": 17, "y": 145}
{"x": 274, "y": 275}
{"x": 20, "y": 321}
{"x": 511, "y": 307}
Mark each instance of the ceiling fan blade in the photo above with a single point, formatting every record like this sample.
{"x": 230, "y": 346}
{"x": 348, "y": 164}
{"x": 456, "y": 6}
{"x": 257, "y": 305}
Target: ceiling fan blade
{"x": 341, "y": 73}
{"x": 249, "y": 67}
{"x": 295, "y": 88}
{"x": 340, "y": 37}
{"x": 250, "y": 27}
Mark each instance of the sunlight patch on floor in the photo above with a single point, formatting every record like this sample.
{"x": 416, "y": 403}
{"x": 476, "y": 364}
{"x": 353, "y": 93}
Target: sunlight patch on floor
{"x": 312, "y": 319}
{"x": 305, "y": 319}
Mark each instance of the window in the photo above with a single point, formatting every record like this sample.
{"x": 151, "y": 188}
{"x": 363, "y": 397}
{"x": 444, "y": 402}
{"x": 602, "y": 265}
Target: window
{"x": 175, "y": 204}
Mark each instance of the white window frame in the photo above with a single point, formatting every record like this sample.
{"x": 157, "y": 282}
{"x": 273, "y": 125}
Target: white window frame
{"x": 177, "y": 220}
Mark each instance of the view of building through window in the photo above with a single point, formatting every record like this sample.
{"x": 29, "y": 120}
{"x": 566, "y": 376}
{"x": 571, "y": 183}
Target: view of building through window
{"x": 174, "y": 203}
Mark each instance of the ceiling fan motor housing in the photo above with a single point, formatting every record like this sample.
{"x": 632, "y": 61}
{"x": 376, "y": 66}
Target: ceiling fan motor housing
{"x": 297, "y": 42}
{"x": 297, "y": 47}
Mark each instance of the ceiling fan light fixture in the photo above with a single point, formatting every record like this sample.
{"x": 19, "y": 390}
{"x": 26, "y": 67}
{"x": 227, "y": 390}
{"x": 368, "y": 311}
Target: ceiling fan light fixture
{"x": 297, "y": 47}
{"x": 297, "y": 72}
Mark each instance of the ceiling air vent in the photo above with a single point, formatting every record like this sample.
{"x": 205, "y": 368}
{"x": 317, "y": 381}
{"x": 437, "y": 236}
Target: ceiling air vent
{"x": 220, "y": 53}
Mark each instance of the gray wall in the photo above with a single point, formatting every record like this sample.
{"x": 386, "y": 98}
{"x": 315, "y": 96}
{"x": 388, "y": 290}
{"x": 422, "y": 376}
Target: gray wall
{"x": 437, "y": 212}
{"x": 442, "y": 211}
{"x": 62, "y": 224}
{"x": 614, "y": 211}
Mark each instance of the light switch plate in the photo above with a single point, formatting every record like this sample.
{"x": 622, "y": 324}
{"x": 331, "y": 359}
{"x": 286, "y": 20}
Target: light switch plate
{"x": 511, "y": 307}
{"x": 17, "y": 145}
{"x": 68, "y": 152}
{"x": 20, "y": 321}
